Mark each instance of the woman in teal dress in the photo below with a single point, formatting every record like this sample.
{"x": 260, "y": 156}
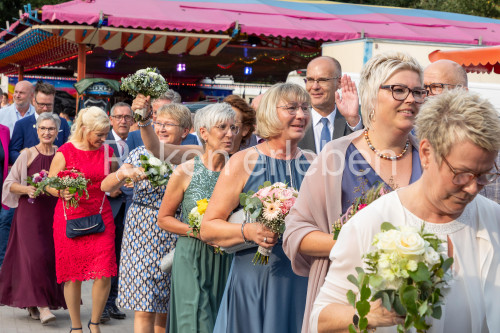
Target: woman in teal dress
{"x": 262, "y": 298}
{"x": 199, "y": 274}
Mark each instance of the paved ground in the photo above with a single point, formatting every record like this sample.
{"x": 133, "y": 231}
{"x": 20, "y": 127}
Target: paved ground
{"x": 14, "y": 320}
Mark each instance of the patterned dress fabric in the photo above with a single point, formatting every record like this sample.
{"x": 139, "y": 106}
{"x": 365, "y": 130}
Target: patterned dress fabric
{"x": 92, "y": 256}
{"x": 198, "y": 274}
{"x": 142, "y": 285}
{"x": 265, "y": 298}
{"x": 28, "y": 274}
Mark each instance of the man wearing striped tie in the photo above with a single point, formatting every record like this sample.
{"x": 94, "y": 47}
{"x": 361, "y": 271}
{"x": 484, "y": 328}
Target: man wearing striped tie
{"x": 332, "y": 115}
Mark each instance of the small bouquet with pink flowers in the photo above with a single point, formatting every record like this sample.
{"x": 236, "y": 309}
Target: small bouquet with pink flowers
{"x": 74, "y": 181}
{"x": 39, "y": 180}
{"x": 269, "y": 206}
{"x": 361, "y": 202}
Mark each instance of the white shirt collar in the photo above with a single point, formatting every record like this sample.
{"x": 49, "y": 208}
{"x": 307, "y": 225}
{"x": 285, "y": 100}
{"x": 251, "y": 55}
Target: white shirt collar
{"x": 316, "y": 117}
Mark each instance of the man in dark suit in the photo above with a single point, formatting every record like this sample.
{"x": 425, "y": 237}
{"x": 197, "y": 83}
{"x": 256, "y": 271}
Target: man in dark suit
{"x": 24, "y": 134}
{"x": 134, "y": 139}
{"x": 121, "y": 119}
{"x": 331, "y": 116}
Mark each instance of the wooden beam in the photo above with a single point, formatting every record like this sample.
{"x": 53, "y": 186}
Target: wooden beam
{"x": 82, "y": 63}
{"x": 20, "y": 75}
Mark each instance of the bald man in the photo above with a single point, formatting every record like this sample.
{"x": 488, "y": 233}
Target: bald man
{"x": 23, "y": 94}
{"x": 444, "y": 74}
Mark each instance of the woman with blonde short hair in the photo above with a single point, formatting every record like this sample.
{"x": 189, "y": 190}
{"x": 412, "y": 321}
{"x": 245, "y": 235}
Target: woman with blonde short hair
{"x": 459, "y": 141}
{"x": 391, "y": 92}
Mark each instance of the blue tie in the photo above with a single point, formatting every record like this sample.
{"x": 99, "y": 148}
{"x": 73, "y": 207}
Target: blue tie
{"x": 325, "y": 134}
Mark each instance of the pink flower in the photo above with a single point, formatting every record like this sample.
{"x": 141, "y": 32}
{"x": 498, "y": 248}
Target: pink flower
{"x": 263, "y": 192}
{"x": 37, "y": 179}
{"x": 361, "y": 206}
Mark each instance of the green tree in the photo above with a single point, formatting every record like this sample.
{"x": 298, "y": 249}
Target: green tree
{"x": 487, "y": 8}
{"x": 9, "y": 9}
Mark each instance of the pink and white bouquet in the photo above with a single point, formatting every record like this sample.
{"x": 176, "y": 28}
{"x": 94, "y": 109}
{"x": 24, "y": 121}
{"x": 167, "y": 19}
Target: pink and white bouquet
{"x": 361, "y": 202}
{"x": 269, "y": 206}
{"x": 39, "y": 180}
{"x": 406, "y": 270}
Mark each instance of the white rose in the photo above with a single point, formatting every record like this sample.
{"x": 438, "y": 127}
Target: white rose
{"x": 412, "y": 265}
{"x": 386, "y": 241}
{"x": 410, "y": 243}
{"x": 154, "y": 161}
{"x": 279, "y": 185}
{"x": 431, "y": 257}
{"x": 163, "y": 170}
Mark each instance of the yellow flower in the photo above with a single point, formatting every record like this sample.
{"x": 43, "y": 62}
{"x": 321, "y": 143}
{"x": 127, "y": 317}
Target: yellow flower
{"x": 202, "y": 205}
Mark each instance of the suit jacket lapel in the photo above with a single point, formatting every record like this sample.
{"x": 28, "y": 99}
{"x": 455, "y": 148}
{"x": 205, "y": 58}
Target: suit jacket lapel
{"x": 307, "y": 141}
{"x": 339, "y": 126}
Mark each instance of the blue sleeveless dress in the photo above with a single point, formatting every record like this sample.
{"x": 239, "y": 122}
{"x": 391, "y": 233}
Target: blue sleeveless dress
{"x": 265, "y": 298}
{"x": 360, "y": 176}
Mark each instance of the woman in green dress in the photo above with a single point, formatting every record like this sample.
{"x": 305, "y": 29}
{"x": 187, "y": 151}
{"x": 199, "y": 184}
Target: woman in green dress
{"x": 199, "y": 274}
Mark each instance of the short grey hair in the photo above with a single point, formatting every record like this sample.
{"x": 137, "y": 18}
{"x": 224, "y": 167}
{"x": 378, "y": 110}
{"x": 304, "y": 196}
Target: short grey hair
{"x": 49, "y": 116}
{"x": 169, "y": 95}
{"x": 211, "y": 115}
{"x": 177, "y": 111}
{"x": 455, "y": 116}
{"x": 119, "y": 104}
{"x": 376, "y": 72}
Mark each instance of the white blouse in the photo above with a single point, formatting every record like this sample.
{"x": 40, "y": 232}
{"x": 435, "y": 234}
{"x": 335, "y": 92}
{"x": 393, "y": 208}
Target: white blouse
{"x": 472, "y": 297}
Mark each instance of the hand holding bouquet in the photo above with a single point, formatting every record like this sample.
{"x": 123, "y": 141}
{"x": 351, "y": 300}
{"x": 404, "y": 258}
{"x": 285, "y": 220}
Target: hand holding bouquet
{"x": 196, "y": 215}
{"x": 39, "y": 180}
{"x": 406, "y": 272}
{"x": 147, "y": 82}
{"x": 72, "y": 180}
{"x": 158, "y": 172}
{"x": 361, "y": 202}
{"x": 269, "y": 206}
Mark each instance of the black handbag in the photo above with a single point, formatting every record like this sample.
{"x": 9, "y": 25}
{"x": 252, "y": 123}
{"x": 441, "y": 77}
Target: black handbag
{"x": 87, "y": 225}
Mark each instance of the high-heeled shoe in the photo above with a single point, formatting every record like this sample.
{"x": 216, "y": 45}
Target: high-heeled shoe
{"x": 91, "y": 323}
{"x": 71, "y": 329}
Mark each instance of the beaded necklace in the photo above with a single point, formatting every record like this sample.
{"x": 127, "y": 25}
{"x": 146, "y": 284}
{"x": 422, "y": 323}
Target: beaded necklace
{"x": 386, "y": 157}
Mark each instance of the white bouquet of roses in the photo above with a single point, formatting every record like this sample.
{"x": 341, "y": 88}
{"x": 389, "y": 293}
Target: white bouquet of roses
{"x": 147, "y": 82}
{"x": 405, "y": 271}
{"x": 269, "y": 206}
{"x": 158, "y": 172}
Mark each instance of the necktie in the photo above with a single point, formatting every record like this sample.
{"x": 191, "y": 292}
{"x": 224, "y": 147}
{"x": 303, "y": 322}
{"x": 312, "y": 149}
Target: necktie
{"x": 122, "y": 144}
{"x": 325, "y": 134}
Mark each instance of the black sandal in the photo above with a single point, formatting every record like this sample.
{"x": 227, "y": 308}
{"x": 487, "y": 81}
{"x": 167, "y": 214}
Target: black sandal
{"x": 71, "y": 329}
{"x": 91, "y": 323}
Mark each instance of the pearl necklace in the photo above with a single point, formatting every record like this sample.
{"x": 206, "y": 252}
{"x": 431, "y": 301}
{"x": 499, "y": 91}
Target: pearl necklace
{"x": 386, "y": 157}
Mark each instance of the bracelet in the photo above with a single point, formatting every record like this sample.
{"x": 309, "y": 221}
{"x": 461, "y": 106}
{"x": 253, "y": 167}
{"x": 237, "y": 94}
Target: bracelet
{"x": 145, "y": 124}
{"x": 116, "y": 174}
{"x": 243, "y": 233}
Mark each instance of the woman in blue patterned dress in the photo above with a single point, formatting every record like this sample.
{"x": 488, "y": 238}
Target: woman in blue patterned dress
{"x": 262, "y": 298}
{"x": 143, "y": 287}
{"x": 198, "y": 273}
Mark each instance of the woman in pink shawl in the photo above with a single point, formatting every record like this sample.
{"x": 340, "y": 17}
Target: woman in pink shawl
{"x": 391, "y": 91}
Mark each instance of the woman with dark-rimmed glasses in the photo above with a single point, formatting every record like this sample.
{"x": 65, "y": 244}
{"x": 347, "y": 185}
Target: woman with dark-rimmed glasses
{"x": 391, "y": 93}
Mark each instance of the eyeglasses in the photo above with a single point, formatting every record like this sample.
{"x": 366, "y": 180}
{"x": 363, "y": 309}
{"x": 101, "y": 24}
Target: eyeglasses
{"x": 437, "y": 88}
{"x": 224, "y": 128}
{"x": 44, "y": 105}
{"x": 293, "y": 108}
{"x": 321, "y": 81}
{"x": 464, "y": 178}
{"x": 401, "y": 92}
{"x": 47, "y": 129}
{"x": 126, "y": 118}
{"x": 165, "y": 125}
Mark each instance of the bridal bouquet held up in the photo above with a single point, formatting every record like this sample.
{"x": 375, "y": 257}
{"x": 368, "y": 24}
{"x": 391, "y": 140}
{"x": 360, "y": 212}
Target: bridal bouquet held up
{"x": 147, "y": 82}
{"x": 269, "y": 206}
{"x": 406, "y": 271}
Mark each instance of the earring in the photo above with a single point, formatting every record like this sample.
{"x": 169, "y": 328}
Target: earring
{"x": 371, "y": 116}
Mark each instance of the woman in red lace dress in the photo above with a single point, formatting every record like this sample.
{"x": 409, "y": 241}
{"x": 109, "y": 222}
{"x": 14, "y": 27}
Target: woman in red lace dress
{"x": 90, "y": 257}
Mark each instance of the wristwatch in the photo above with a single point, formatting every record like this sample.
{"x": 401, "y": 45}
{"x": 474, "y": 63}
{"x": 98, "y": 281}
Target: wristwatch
{"x": 355, "y": 320}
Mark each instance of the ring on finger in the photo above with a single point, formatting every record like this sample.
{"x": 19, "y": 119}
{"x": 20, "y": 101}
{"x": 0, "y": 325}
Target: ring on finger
{"x": 265, "y": 239}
